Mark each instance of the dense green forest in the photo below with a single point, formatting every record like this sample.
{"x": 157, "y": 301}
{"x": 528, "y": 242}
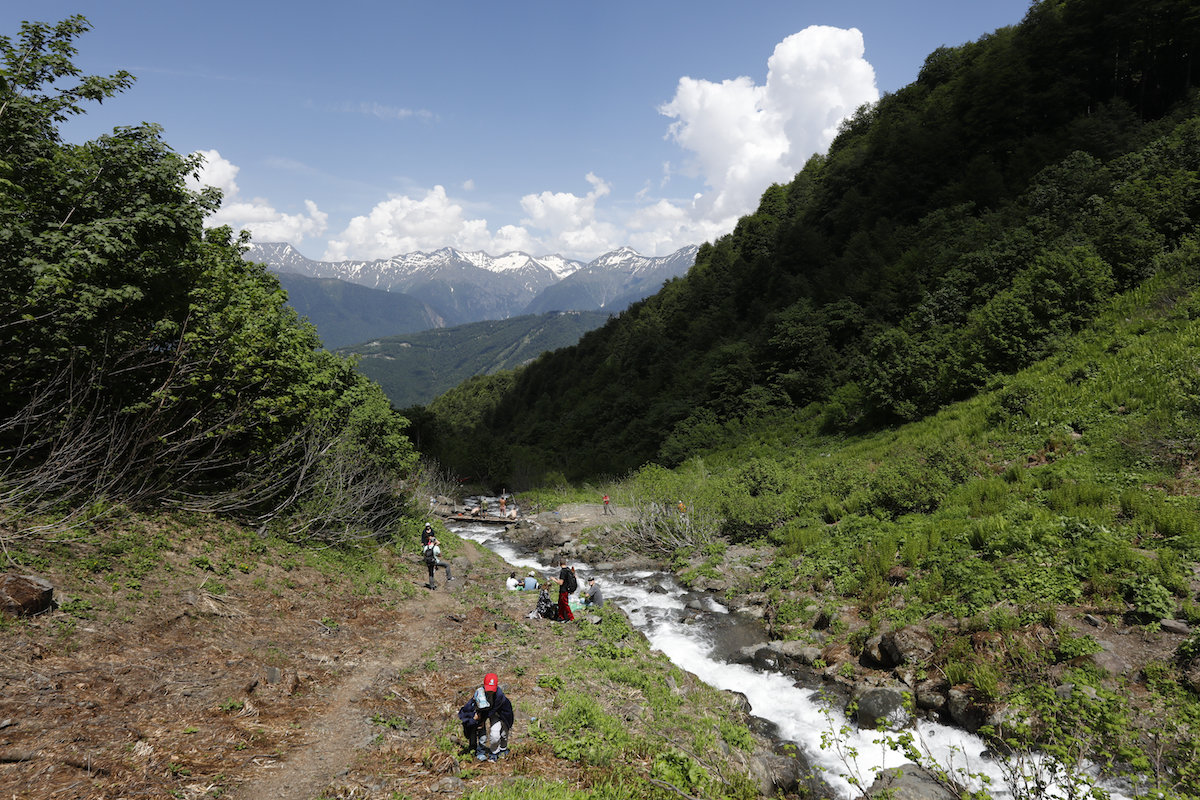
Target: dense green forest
{"x": 956, "y": 231}
{"x": 144, "y": 361}
{"x": 415, "y": 368}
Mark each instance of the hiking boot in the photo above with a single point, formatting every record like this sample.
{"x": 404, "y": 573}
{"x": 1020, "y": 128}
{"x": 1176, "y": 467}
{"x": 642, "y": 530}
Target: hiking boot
{"x": 493, "y": 756}
{"x": 481, "y": 755}
{"x": 449, "y": 579}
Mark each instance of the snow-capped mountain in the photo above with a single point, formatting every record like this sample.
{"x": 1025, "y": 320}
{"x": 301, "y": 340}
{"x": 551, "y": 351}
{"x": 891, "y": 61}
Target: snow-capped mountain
{"x": 613, "y": 281}
{"x": 473, "y": 286}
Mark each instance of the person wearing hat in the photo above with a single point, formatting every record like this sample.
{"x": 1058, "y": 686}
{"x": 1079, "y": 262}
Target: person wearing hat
{"x": 593, "y": 597}
{"x": 432, "y": 554}
{"x": 426, "y": 534}
{"x": 486, "y": 719}
{"x": 531, "y": 582}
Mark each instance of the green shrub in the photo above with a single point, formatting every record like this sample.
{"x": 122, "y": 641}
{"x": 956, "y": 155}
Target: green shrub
{"x": 1149, "y": 598}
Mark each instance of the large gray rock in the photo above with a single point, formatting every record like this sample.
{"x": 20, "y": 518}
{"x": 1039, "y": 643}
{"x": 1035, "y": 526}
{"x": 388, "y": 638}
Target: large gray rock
{"x": 909, "y": 645}
{"x": 801, "y": 653}
{"x": 965, "y": 712}
{"x": 1175, "y": 626}
{"x": 931, "y": 694}
{"x": 1109, "y": 661}
{"x": 787, "y": 771}
{"x": 883, "y": 708}
{"x": 873, "y": 654}
{"x": 25, "y": 595}
{"x": 908, "y": 782}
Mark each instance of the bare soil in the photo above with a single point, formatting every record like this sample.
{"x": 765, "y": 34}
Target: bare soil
{"x": 287, "y": 683}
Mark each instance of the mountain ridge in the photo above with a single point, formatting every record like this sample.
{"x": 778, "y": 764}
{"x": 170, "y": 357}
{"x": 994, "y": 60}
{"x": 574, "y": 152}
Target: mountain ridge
{"x": 471, "y": 286}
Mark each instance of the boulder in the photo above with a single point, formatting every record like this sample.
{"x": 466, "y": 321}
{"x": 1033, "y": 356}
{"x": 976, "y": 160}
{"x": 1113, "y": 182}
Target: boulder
{"x": 801, "y": 653}
{"x": 25, "y": 595}
{"x": 874, "y": 654}
{"x": 787, "y": 771}
{"x": 740, "y": 699}
{"x": 931, "y": 694}
{"x": 882, "y": 708}
{"x": 744, "y": 655}
{"x": 909, "y": 645}
{"x": 965, "y": 712}
{"x": 1109, "y": 661}
{"x": 766, "y": 659}
{"x": 1175, "y": 626}
{"x": 908, "y": 782}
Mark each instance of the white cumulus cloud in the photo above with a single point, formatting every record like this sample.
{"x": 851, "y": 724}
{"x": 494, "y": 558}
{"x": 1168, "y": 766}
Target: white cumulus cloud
{"x": 743, "y": 137}
{"x": 264, "y": 221}
{"x": 403, "y": 224}
{"x": 569, "y": 223}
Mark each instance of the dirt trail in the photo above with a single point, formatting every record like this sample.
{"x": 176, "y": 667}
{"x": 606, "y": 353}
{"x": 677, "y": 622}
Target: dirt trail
{"x": 343, "y": 727}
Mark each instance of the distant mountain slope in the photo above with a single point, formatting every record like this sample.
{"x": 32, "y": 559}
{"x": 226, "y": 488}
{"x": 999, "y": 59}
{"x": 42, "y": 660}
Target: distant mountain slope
{"x": 416, "y": 368}
{"x": 613, "y": 281}
{"x": 346, "y": 313}
{"x": 461, "y": 286}
{"x": 471, "y": 286}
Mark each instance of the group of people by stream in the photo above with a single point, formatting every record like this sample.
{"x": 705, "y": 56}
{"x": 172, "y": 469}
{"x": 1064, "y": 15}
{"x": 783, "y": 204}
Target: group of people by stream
{"x": 567, "y": 584}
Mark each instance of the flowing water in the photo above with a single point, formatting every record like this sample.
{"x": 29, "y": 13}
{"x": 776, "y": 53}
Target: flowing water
{"x": 699, "y": 634}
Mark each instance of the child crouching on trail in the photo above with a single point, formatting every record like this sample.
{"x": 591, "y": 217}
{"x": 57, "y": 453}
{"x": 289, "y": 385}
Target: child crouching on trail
{"x": 486, "y": 719}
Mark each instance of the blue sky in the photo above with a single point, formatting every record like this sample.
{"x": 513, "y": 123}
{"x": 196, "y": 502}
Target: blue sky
{"x": 364, "y": 129}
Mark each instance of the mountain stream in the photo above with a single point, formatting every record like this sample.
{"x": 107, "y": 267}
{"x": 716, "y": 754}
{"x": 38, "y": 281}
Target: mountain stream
{"x": 699, "y": 634}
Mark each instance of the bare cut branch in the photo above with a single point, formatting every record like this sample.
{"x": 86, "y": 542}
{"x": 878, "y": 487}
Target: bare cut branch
{"x": 659, "y": 530}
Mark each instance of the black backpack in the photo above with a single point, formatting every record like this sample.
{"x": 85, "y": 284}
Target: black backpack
{"x": 571, "y": 584}
{"x": 430, "y": 556}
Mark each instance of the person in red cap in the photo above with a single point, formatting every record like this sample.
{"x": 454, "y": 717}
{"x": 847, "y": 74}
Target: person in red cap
{"x": 486, "y": 719}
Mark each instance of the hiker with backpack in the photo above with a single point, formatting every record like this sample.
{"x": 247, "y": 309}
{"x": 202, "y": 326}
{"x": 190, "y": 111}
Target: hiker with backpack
{"x": 567, "y": 584}
{"x": 486, "y": 719}
{"x": 433, "y": 559}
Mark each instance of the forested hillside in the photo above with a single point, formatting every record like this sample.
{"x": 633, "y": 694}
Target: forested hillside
{"x": 414, "y": 369}
{"x": 956, "y": 231}
{"x": 345, "y": 313}
{"x": 144, "y": 362}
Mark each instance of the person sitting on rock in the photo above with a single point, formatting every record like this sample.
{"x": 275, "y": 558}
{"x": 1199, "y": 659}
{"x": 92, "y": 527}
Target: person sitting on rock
{"x": 487, "y": 719}
{"x": 593, "y": 597}
{"x": 531, "y": 582}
